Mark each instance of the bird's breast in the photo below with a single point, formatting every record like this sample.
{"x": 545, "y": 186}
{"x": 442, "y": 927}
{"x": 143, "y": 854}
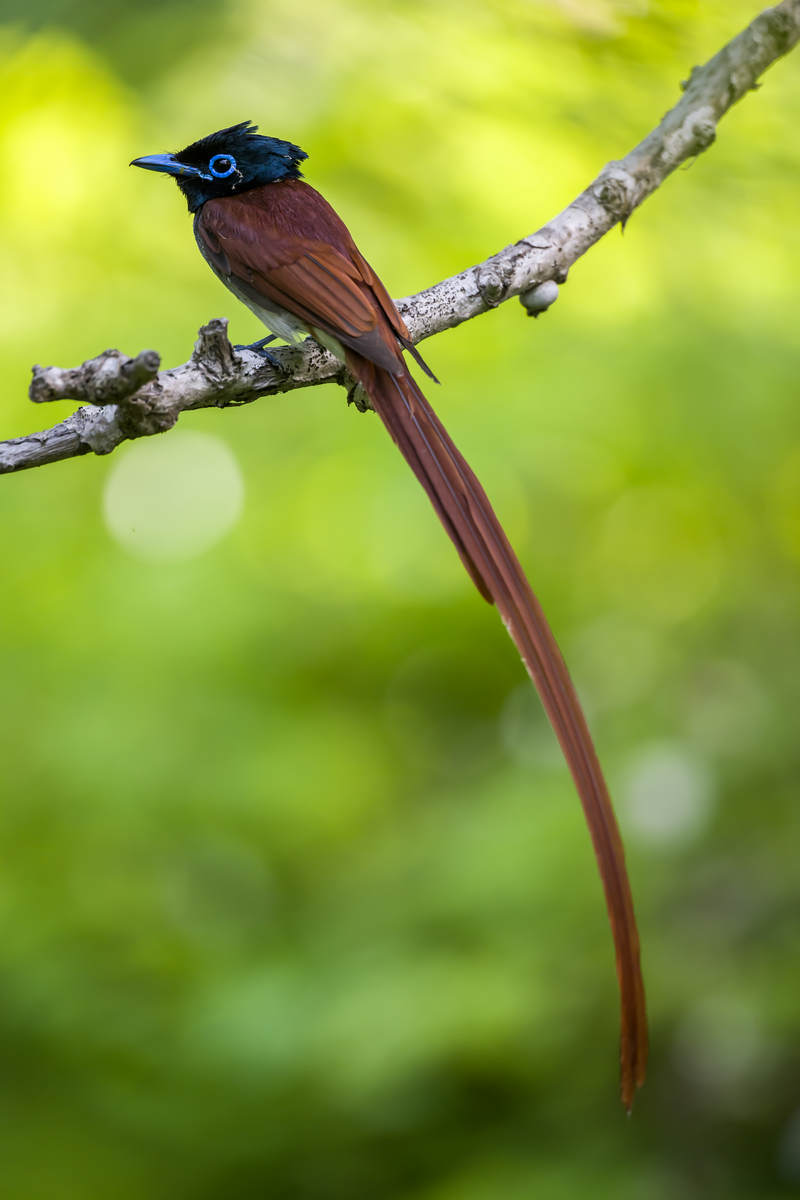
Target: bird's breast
{"x": 278, "y": 320}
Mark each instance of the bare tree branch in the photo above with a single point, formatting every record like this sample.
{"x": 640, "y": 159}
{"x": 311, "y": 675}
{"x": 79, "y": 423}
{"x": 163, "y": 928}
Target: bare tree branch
{"x": 129, "y": 398}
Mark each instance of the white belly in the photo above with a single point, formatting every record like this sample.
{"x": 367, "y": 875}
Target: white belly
{"x": 278, "y": 321}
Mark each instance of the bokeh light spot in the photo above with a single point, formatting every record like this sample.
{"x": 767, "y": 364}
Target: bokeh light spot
{"x": 669, "y": 794}
{"x": 171, "y": 498}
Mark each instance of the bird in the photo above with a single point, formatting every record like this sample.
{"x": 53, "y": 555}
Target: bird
{"x": 282, "y": 250}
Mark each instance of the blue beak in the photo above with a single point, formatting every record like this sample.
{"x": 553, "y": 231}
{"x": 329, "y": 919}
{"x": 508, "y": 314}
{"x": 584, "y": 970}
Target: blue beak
{"x": 169, "y": 164}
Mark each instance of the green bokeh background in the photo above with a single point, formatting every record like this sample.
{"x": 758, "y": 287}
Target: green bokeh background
{"x": 296, "y": 898}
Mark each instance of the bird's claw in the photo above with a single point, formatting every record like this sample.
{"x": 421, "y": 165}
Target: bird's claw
{"x": 258, "y": 348}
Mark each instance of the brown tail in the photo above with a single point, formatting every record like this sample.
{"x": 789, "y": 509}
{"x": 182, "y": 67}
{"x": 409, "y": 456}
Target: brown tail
{"x": 467, "y": 515}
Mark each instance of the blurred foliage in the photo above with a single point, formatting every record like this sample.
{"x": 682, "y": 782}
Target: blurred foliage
{"x": 296, "y": 898}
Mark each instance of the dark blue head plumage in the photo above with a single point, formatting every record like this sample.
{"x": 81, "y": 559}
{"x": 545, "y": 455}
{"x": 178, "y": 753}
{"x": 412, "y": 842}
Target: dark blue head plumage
{"x": 227, "y": 162}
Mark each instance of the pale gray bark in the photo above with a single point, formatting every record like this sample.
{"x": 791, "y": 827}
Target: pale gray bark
{"x": 130, "y": 398}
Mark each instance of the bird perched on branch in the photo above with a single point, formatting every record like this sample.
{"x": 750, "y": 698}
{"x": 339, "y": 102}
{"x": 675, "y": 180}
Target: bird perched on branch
{"x": 282, "y": 250}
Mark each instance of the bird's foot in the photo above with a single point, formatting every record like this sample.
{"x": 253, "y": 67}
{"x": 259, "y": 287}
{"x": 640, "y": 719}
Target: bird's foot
{"x": 258, "y": 348}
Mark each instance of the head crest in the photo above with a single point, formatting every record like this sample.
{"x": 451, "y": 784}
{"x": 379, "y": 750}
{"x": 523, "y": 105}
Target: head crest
{"x": 246, "y": 142}
{"x": 231, "y": 160}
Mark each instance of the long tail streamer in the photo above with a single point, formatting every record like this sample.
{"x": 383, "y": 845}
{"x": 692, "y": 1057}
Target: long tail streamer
{"x": 468, "y": 517}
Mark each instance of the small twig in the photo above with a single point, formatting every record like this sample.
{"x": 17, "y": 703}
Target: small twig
{"x": 111, "y": 378}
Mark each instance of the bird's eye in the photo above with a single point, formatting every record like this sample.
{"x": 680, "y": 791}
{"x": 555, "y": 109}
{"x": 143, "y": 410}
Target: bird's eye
{"x": 222, "y": 165}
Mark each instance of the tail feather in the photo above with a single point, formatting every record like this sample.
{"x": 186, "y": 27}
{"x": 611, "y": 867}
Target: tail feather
{"x": 465, "y": 511}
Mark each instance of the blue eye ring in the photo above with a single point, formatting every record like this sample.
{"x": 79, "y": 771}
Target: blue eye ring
{"x": 222, "y": 158}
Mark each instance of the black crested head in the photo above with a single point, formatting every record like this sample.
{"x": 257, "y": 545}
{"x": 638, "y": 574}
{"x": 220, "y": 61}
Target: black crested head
{"x": 227, "y": 162}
